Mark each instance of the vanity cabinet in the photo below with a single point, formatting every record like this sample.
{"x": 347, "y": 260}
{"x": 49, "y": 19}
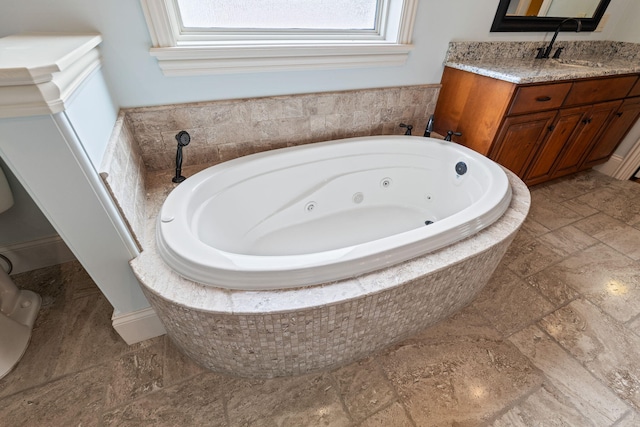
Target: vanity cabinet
{"x": 539, "y": 131}
{"x": 572, "y": 135}
{"x": 519, "y": 139}
{"x": 561, "y": 130}
{"x": 623, "y": 120}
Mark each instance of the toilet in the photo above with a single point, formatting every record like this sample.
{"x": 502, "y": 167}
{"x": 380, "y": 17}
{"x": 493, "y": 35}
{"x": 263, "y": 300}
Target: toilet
{"x": 18, "y": 308}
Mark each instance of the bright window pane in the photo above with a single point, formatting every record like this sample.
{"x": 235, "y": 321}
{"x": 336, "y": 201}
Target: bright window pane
{"x": 279, "y": 14}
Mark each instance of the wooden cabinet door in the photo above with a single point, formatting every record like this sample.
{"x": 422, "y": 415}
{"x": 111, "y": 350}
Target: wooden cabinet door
{"x": 615, "y": 131}
{"x": 563, "y": 127}
{"x": 519, "y": 138}
{"x": 585, "y": 136}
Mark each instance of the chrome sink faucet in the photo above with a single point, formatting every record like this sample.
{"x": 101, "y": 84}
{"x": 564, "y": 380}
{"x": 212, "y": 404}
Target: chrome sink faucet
{"x": 544, "y": 53}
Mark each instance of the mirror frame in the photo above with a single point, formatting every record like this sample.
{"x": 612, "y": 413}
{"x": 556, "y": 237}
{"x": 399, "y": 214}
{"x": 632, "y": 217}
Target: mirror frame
{"x": 503, "y": 23}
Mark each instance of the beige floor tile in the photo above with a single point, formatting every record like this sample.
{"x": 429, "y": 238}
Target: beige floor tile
{"x": 592, "y": 399}
{"x": 531, "y": 257}
{"x": 54, "y": 284}
{"x": 178, "y": 366}
{"x": 394, "y": 415}
{"x": 310, "y": 400}
{"x": 634, "y": 325}
{"x": 364, "y": 389}
{"x": 197, "y": 402}
{"x": 465, "y": 325}
{"x": 529, "y": 230}
{"x": 89, "y": 338}
{"x": 605, "y": 277}
{"x": 72, "y": 400}
{"x": 546, "y": 407}
{"x": 459, "y": 383}
{"x": 573, "y": 186}
{"x": 621, "y": 204}
{"x": 614, "y": 233}
{"x": 568, "y": 240}
{"x": 596, "y": 225}
{"x": 625, "y": 240}
{"x": 550, "y": 213}
{"x": 136, "y": 374}
{"x": 631, "y": 419}
{"x": 580, "y": 208}
{"x": 509, "y": 303}
{"x": 552, "y": 288}
{"x": 601, "y": 344}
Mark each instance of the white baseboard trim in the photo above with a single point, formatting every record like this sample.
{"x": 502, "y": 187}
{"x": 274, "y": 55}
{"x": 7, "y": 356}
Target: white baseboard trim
{"x": 611, "y": 166}
{"x": 138, "y": 326}
{"x": 36, "y": 254}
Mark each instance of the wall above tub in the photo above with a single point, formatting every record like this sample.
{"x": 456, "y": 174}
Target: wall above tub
{"x": 224, "y": 130}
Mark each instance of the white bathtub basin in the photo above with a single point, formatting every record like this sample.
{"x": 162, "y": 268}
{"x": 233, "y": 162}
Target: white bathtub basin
{"x": 327, "y": 211}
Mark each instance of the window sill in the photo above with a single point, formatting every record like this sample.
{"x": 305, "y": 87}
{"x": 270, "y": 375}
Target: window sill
{"x": 195, "y": 60}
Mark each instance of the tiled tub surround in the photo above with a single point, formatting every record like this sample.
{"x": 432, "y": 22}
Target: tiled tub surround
{"x": 143, "y": 139}
{"x": 123, "y": 172}
{"x": 224, "y": 130}
{"x": 296, "y": 331}
{"x": 515, "y": 61}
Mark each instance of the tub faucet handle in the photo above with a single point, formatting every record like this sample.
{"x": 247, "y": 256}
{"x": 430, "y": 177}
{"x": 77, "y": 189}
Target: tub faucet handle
{"x": 450, "y": 133}
{"x": 429, "y": 128}
{"x": 409, "y": 128}
{"x": 183, "y": 139}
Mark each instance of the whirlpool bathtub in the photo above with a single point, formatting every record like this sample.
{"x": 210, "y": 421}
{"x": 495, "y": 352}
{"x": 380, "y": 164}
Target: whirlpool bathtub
{"x": 307, "y": 258}
{"x": 312, "y": 214}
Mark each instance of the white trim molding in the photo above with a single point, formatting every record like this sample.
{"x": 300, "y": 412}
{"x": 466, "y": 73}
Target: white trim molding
{"x": 629, "y": 164}
{"x": 611, "y": 166}
{"x": 36, "y": 254}
{"x": 179, "y": 61}
{"x": 138, "y": 326}
{"x": 182, "y": 54}
{"x": 40, "y": 72}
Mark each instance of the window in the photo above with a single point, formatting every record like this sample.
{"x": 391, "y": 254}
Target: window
{"x": 217, "y": 36}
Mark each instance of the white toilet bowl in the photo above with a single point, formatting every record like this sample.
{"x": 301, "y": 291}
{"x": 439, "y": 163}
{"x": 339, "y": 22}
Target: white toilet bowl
{"x": 19, "y": 309}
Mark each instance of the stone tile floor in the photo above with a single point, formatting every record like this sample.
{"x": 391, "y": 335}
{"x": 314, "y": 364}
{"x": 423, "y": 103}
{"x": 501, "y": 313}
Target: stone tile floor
{"x": 553, "y": 340}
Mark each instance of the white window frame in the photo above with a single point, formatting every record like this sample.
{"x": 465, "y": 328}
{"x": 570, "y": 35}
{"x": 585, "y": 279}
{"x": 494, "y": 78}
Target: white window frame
{"x": 181, "y": 52}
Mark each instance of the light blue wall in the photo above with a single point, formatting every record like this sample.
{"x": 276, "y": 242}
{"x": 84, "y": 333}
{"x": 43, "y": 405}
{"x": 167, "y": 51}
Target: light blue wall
{"x": 136, "y": 80}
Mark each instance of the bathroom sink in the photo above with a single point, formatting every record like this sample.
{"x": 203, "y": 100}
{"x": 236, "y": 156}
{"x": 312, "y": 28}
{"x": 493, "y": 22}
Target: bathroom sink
{"x": 579, "y": 63}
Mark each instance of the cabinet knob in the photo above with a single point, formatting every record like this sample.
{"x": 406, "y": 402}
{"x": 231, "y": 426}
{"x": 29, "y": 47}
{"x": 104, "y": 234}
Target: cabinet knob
{"x": 619, "y": 114}
{"x": 543, "y": 98}
{"x": 551, "y": 127}
{"x": 586, "y": 121}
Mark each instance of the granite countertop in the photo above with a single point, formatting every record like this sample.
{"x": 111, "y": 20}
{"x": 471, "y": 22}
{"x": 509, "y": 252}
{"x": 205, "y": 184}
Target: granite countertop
{"x": 516, "y": 63}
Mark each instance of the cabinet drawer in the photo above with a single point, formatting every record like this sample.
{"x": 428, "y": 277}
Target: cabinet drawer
{"x": 599, "y": 90}
{"x": 636, "y": 89}
{"x": 529, "y": 99}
